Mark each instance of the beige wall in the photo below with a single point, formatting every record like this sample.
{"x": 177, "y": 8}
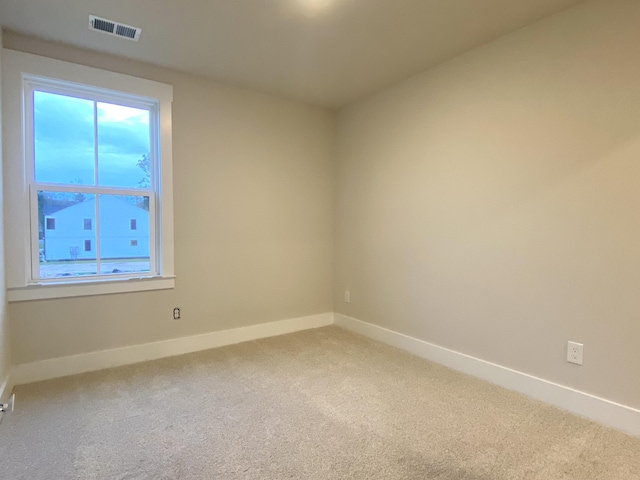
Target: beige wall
{"x": 253, "y": 178}
{"x": 492, "y": 204}
{"x": 5, "y": 347}
{"x": 488, "y": 205}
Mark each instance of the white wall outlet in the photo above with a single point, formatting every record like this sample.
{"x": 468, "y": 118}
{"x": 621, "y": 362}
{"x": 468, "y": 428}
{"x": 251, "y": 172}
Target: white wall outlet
{"x": 347, "y": 296}
{"x": 574, "y": 352}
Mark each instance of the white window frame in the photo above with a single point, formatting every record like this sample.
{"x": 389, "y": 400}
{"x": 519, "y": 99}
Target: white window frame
{"x": 32, "y": 84}
{"x": 21, "y": 74}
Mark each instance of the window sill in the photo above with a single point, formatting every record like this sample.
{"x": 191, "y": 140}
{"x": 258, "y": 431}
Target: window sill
{"x": 88, "y": 288}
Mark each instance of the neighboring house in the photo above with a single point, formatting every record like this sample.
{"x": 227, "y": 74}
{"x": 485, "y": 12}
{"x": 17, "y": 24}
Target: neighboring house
{"x": 50, "y": 207}
{"x": 70, "y": 233}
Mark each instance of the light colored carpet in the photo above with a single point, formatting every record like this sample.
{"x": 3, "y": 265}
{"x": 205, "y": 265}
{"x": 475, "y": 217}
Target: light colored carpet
{"x": 320, "y": 404}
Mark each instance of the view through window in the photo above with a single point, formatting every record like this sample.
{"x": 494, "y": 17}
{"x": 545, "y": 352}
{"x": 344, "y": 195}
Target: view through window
{"x": 93, "y": 170}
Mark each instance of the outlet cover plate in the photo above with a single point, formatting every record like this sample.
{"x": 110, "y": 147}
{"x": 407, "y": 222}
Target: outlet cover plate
{"x": 574, "y": 352}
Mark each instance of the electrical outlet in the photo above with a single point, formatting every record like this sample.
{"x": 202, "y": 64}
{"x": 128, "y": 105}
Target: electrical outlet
{"x": 176, "y": 313}
{"x": 347, "y": 296}
{"x": 574, "y": 352}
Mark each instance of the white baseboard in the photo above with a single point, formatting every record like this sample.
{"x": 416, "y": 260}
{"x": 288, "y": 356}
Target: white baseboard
{"x": 87, "y": 362}
{"x": 603, "y": 411}
{"x": 6, "y": 387}
{"x": 606, "y": 412}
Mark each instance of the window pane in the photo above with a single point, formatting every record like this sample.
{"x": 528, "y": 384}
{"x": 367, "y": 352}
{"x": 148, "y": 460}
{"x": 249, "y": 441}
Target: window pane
{"x": 123, "y": 146}
{"x": 63, "y": 139}
{"x": 123, "y": 250}
{"x": 66, "y": 248}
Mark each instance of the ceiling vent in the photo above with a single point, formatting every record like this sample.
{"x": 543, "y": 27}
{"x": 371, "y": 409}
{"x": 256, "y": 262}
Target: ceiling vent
{"x": 114, "y": 28}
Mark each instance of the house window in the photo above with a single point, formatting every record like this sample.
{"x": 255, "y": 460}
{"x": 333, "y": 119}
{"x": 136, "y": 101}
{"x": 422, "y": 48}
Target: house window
{"x": 133, "y": 243}
{"x": 97, "y": 147}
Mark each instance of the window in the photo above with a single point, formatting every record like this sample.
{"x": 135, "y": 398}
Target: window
{"x": 93, "y": 158}
{"x": 92, "y": 155}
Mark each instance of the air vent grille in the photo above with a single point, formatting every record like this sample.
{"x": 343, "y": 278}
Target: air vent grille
{"x": 114, "y": 28}
{"x": 126, "y": 31}
{"x": 103, "y": 25}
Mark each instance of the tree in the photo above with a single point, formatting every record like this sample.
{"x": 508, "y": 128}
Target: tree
{"x": 40, "y": 215}
{"x": 145, "y": 165}
{"x": 78, "y": 197}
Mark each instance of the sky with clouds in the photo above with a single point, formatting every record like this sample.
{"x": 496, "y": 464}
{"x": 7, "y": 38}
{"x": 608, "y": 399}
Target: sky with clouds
{"x": 64, "y": 141}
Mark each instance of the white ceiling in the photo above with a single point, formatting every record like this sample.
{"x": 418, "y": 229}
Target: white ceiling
{"x": 324, "y": 52}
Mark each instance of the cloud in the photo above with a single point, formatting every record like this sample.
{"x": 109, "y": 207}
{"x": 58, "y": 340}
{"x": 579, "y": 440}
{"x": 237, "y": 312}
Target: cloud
{"x": 64, "y": 141}
{"x": 123, "y": 129}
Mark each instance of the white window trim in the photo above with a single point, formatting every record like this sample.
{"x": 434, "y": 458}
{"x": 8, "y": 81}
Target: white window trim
{"x": 17, "y": 65}
{"x": 32, "y": 84}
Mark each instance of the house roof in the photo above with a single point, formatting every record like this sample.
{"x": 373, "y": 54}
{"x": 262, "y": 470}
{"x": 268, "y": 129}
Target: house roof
{"x": 52, "y": 207}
